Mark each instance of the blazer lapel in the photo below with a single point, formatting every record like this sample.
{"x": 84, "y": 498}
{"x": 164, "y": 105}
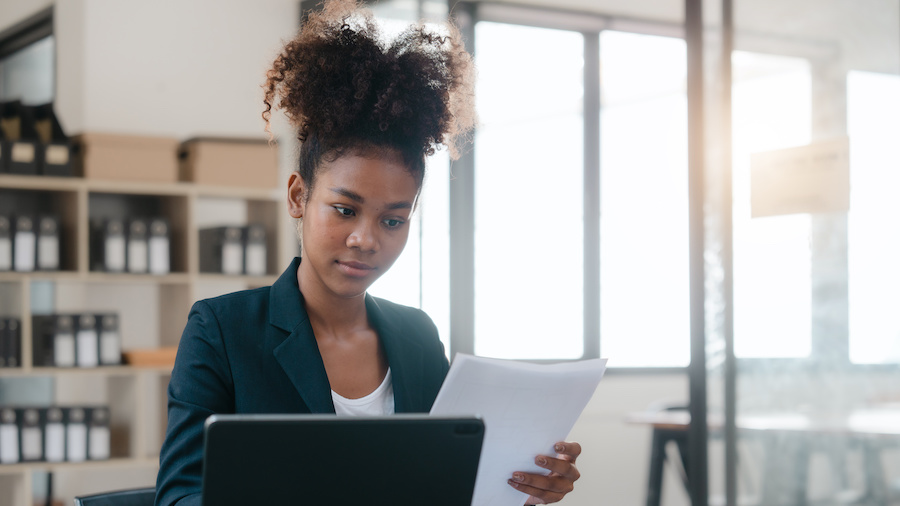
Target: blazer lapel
{"x": 405, "y": 357}
{"x": 298, "y": 355}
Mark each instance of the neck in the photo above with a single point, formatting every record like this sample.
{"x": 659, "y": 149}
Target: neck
{"x": 330, "y": 314}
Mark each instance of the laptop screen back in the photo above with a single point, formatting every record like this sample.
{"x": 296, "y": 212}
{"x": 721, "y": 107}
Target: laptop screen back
{"x": 324, "y": 459}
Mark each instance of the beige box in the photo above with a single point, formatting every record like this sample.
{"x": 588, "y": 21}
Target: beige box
{"x": 229, "y": 162}
{"x": 127, "y": 157}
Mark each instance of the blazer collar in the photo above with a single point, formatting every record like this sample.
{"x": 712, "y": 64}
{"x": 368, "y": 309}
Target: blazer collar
{"x": 405, "y": 356}
{"x": 299, "y": 353}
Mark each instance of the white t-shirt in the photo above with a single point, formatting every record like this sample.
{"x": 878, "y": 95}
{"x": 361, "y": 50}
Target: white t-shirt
{"x": 379, "y": 402}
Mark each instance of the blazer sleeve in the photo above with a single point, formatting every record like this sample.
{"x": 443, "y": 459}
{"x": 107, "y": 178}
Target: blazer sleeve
{"x": 201, "y": 384}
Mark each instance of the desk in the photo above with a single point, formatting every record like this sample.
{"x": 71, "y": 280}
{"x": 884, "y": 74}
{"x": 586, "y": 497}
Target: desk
{"x": 791, "y": 437}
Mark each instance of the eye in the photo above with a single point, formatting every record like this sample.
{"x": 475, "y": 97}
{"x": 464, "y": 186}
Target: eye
{"x": 393, "y": 223}
{"x": 344, "y": 211}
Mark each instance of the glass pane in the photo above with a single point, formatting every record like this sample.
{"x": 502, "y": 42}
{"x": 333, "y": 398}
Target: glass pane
{"x": 29, "y": 74}
{"x": 421, "y": 276}
{"x": 771, "y": 101}
{"x": 528, "y": 202}
{"x": 814, "y": 285}
{"x": 873, "y": 124}
{"x": 644, "y": 293}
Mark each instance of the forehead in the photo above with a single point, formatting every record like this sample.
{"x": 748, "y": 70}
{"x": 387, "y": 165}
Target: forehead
{"x": 376, "y": 178}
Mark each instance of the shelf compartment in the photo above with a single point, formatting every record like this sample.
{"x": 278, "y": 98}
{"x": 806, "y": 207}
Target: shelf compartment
{"x": 173, "y": 208}
{"x": 62, "y": 205}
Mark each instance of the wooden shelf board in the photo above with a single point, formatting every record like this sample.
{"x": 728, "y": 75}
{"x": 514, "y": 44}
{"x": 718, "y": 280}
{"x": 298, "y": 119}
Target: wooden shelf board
{"x": 41, "y": 183}
{"x": 118, "y": 463}
{"x": 224, "y": 278}
{"x": 114, "y": 370}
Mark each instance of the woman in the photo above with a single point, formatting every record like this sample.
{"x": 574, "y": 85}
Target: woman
{"x": 367, "y": 115}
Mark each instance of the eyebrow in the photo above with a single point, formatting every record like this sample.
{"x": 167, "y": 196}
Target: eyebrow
{"x": 359, "y": 199}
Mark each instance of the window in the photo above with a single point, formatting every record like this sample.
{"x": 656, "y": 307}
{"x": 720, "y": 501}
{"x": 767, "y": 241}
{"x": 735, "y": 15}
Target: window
{"x": 528, "y": 193}
{"x": 873, "y": 103}
{"x": 644, "y": 279}
{"x": 771, "y": 104}
{"x": 27, "y": 61}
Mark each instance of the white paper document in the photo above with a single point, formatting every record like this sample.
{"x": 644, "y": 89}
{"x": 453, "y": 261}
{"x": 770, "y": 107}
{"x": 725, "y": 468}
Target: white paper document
{"x": 526, "y": 409}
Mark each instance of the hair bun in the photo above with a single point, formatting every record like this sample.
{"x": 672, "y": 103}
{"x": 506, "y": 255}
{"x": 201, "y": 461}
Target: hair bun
{"x": 341, "y": 81}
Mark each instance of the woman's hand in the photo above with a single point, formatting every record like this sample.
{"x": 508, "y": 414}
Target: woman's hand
{"x": 546, "y": 489}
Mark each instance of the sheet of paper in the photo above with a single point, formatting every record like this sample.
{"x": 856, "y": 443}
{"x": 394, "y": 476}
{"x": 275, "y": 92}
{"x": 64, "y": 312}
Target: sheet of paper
{"x": 526, "y": 408}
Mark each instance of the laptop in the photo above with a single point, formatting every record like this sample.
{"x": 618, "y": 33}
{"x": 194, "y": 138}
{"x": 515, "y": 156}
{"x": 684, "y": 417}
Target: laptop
{"x": 406, "y": 459}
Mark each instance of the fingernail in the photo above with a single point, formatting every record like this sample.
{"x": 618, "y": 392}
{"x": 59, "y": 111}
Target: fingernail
{"x": 518, "y": 477}
{"x": 541, "y": 461}
{"x": 511, "y": 482}
{"x": 560, "y": 447}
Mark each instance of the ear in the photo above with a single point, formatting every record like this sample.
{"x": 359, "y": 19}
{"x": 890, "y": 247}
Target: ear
{"x": 295, "y": 196}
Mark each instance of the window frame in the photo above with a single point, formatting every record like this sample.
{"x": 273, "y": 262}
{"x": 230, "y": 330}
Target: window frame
{"x": 467, "y": 14}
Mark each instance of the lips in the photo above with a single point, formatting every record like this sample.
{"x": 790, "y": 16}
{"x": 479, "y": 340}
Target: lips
{"x": 355, "y": 269}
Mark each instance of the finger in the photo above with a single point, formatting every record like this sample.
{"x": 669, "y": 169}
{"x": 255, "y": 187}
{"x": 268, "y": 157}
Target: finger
{"x": 569, "y": 449}
{"x": 552, "y": 484}
{"x": 561, "y": 467}
{"x": 538, "y": 495}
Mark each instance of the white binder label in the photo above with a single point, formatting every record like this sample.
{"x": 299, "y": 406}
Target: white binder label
{"x": 64, "y": 350}
{"x": 76, "y": 436}
{"x": 31, "y": 443}
{"x": 256, "y": 259}
{"x": 114, "y": 254}
{"x": 9, "y": 444}
{"x": 55, "y": 442}
{"x": 99, "y": 441}
{"x": 232, "y": 258}
{"x": 88, "y": 354}
{"x": 22, "y": 152}
{"x": 57, "y": 155}
{"x": 159, "y": 255}
{"x": 48, "y": 252}
{"x": 24, "y": 254}
{"x": 137, "y": 256}
{"x": 5, "y": 254}
{"x": 110, "y": 348}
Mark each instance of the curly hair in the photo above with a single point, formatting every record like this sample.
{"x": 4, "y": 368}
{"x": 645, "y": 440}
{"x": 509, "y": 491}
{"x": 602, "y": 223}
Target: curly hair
{"x": 345, "y": 89}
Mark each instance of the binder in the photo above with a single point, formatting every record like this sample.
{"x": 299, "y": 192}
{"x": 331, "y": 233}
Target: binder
{"x": 98, "y": 433}
{"x": 9, "y": 436}
{"x": 13, "y": 343}
{"x": 23, "y": 244}
{"x": 4, "y": 342}
{"x": 255, "y": 250}
{"x": 18, "y": 142}
{"x": 56, "y": 149}
{"x": 87, "y": 341}
{"x": 53, "y": 341}
{"x": 159, "y": 250}
{"x": 76, "y": 434}
{"x": 222, "y": 250}
{"x": 6, "y": 247}
{"x": 48, "y": 243}
{"x": 54, "y": 434}
{"x": 110, "y": 339}
{"x": 31, "y": 437}
{"x": 108, "y": 245}
{"x": 136, "y": 254}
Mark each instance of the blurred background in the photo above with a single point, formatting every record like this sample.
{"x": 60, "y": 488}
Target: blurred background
{"x": 567, "y": 232}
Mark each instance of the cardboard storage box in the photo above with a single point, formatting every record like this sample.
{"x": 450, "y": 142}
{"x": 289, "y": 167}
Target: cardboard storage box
{"x": 128, "y": 157}
{"x": 229, "y": 162}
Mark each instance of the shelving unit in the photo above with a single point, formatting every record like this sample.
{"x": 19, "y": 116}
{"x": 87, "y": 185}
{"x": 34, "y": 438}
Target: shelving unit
{"x": 153, "y": 308}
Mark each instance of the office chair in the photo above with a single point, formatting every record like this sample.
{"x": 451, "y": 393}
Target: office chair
{"x": 130, "y": 497}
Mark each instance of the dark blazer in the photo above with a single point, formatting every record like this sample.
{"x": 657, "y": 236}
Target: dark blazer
{"x": 254, "y": 351}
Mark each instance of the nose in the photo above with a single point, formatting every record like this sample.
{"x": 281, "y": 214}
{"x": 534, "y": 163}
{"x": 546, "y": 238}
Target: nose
{"x": 364, "y": 237}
